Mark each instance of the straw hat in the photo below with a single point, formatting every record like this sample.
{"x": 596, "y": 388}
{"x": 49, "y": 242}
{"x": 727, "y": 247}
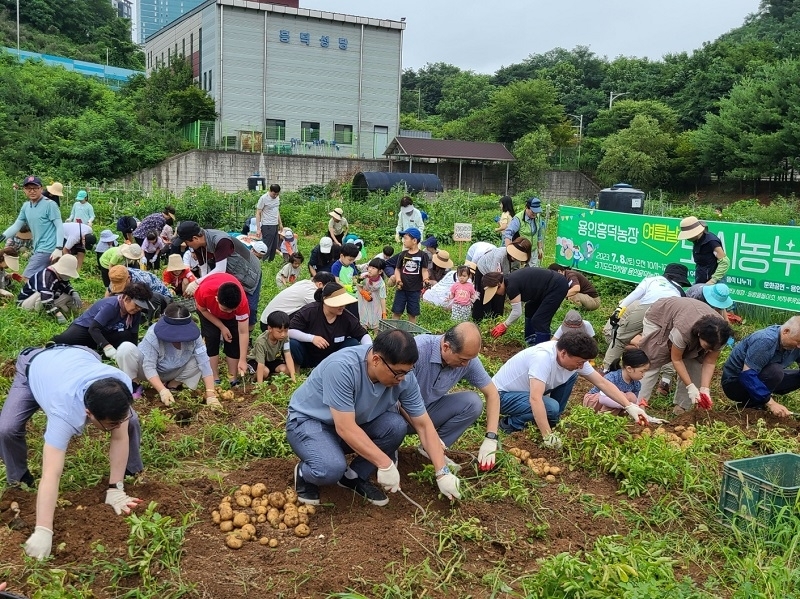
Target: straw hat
{"x": 442, "y": 258}
{"x": 489, "y": 293}
{"x": 132, "y": 251}
{"x": 718, "y": 296}
{"x": 471, "y": 265}
{"x": 690, "y": 227}
{"x": 67, "y": 266}
{"x": 56, "y": 188}
{"x": 25, "y": 236}
{"x": 119, "y": 277}
{"x": 339, "y": 298}
{"x": 517, "y": 254}
{"x": 12, "y": 262}
{"x": 175, "y": 263}
{"x": 336, "y": 214}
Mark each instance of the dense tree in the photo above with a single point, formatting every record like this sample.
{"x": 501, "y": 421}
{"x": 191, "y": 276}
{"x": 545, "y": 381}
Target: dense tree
{"x": 639, "y": 155}
{"x": 532, "y": 151}
{"x": 522, "y": 106}
{"x": 622, "y": 112}
{"x": 462, "y": 93}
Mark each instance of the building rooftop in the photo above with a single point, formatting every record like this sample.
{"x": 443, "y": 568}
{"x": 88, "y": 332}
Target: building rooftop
{"x": 417, "y": 147}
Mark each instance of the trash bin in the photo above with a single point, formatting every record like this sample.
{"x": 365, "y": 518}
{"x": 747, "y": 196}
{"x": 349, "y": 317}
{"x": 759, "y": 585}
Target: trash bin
{"x": 621, "y": 198}
{"x": 256, "y": 183}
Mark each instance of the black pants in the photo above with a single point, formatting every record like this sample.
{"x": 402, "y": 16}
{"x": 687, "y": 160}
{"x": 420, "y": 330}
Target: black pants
{"x": 212, "y": 336}
{"x": 492, "y": 309}
{"x": 774, "y": 377}
{"x": 539, "y": 315}
{"x": 269, "y": 235}
{"x": 78, "y": 335}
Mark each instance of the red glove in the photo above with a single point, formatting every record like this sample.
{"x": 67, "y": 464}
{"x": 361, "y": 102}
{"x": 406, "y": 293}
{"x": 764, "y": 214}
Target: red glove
{"x": 17, "y": 277}
{"x": 499, "y": 330}
{"x": 705, "y": 402}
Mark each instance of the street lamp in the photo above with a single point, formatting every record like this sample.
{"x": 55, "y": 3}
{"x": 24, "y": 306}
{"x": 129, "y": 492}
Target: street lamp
{"x": 17, "y": 29}
{"x": 613, "y": 97}
{"x": 580, "y": 135}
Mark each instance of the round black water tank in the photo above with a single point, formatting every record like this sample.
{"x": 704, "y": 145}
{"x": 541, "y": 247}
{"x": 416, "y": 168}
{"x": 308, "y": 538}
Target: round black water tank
{"x": 368, "y": 181}
{"x": 621, "y": 198}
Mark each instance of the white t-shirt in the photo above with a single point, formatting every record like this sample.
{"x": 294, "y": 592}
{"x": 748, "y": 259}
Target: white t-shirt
{"x": 650, "y": 290}
{"x": 291, "y": 299}
{"x": 478, "y": 249}
{"x": 269, "y": 209}
{"x": 58, "y": 380}
{"x": 587, "y": 328}
{"x": 537, "y": 362}
{"x": 73, "y": 232}
{"x": 289, "y": 273}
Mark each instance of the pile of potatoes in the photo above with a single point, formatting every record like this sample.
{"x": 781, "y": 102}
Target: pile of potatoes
{"x": 226, "y": 395}
{"x": 250, "y": 506}
{"x": 540, "y": 466}
{"x": 682, "y": 438}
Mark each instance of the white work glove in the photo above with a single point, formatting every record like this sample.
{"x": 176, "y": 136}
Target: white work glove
{"x": 694, "y": 393}
{"x": 636, "y": 413}
{"x": 166, "y": 397}
{"x": 705, "y": 390}
{"x": 389, "y": 478}
{"x": 110, "y": 351}
{"x": 553, "y": 441}
{"x": 57, "y": 253}
{"x": 449, "y": 486}
{"x": 121, "y": 501}
{"x": 191, "y": 288}
{"x": 486, "y": 454}
{"x": 40, "y": 543}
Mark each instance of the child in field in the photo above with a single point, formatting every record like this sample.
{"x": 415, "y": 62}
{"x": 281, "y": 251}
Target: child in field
{"x": 626, "y": 374}
{"x": 177, "y": 275}
{"x": 9, "y": 259}
{"x": 288, "y": 274}
{"x": 462, "y": 295}
{"x": 288, "y": 244}
{"x": 410, "y": 276}
{"x": 271, "y": 350}
{"x": 346, "y": 271}
{"x": 152, "y": 247}
{"x": 372, "y": 295}
{"x": 573, "y": 321}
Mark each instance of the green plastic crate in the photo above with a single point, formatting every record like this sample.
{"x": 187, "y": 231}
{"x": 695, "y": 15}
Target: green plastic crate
{"x": 402, "y": 325}
{"x": 756, "y": 490}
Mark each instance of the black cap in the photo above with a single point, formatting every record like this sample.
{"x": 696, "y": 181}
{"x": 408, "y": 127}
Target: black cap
{"x": 678, "y": 273}
{"x": 188, "y": 229}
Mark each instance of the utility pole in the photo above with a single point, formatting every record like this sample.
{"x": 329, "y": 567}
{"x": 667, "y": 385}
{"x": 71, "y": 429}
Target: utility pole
{"x": 17, "y": 29}
{"x": 419, "y": 103}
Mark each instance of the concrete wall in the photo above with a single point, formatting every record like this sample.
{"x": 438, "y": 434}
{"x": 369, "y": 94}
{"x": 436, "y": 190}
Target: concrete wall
{"x": 228, "y": 171}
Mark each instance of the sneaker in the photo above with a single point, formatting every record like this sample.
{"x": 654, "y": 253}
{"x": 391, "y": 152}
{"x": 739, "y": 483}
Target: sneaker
{"x": 26, "y": 479}
{"x": 454, "y": 467}
{"x": 505, "y": 426}
{"x": 306, "y": 492}
{"x": 663, "y": 388}
{"x": 366, "y": 489}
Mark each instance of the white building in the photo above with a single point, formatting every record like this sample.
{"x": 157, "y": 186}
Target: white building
{"x": 285, "y": 78}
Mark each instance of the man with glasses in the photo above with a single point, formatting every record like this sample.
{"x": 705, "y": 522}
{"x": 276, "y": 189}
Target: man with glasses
{"x": 72, "y": 387}
{"x": 43, "y": 217}
{"x": 348, "y": 405}
{"x": 444, "y": 361}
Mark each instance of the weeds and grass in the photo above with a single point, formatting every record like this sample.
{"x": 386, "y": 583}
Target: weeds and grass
{"x": 257, "y": 438}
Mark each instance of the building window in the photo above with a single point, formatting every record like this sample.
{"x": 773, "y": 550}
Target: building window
{"x": 309, "y": 131}
{"x": 343, "y": 134}
{"x": 276, "y": 129}
{"x": 210, "y": 87}
{"x": 183, "y": 48}
{"x": 205, "y": 80}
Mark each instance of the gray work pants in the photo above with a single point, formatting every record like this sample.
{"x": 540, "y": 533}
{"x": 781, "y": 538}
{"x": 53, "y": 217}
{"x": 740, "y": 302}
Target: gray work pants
{"x": 453, "y": 414}
{"x": 20, "y": 405}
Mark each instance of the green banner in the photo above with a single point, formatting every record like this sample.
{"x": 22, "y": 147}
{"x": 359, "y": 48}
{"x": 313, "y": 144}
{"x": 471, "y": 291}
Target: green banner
{"x": 765, "y": 259}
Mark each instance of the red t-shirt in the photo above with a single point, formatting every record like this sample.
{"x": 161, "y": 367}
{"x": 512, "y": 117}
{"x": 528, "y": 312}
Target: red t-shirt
{"x": 206, "y": 297}
{"x": 175, "y": 278}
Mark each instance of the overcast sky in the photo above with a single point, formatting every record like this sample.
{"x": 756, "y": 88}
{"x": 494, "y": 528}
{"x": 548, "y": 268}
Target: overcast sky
{"x": 482, "y": 36}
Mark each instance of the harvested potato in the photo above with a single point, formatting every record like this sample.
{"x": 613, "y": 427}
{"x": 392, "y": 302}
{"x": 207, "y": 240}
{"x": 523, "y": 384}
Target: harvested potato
{"x": 515, "y": 451}
{"x": 311, "y": 510}
{"x": 226, "y": 526}
{"x": 261, "y": 510}
{"x": 524, "y": 455}
{"x": 550, "y": 478}
{"x": 258, "y": 489}
{"x": 225, "y": 512}
{"x": 302, "y": 518}
{"x": 291, "y": 495}
{"x": 290, "y": 508}
{"x": 245, "y": 536}
{"x": 240, "y": 519}
{"x": 277, "y": 499}
{"x": 291, "y": 520}
{"x": 261, "y": 519}
{"x": 227, "y": 499}
{"x": 273, "y": 543}
{"x": 680, "y": 428}
{"x": 555, "y": 470}
{"x": 302, "y": 530}
{"x": 686, "y": 435}
{"x": 302, "y": 509}
{"x": 263, "y": 541}
{"x": 227, "y": 395}
{"x": 215, "y": 517}
{"x": 234, "y": 541}
{"x": 250, "y": 530}
{"x": 245, "y": 489}
{"x": 244, "y": 501}
{"x": 646, "y": 432}
{"x": 253, "y": 519}
{"x": 255, "y": 503}
{"x": 282, "y": 526}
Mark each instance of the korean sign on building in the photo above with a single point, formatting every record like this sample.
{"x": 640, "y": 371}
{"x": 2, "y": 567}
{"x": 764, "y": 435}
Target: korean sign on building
{"x": 765, "y": 259}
